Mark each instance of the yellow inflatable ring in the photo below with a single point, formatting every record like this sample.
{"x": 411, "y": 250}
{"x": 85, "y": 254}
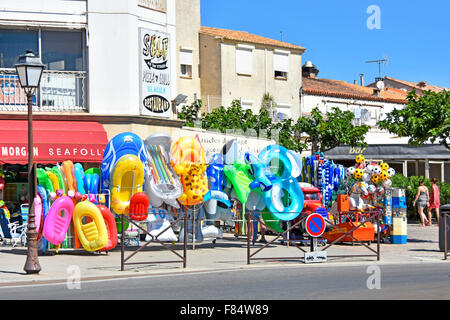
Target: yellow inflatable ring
{"x": 93, "y": 235}
{"x": 127, "y": 178}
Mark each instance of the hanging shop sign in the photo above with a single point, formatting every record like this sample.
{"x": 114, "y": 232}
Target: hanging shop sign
{"x": 155, "y": 82}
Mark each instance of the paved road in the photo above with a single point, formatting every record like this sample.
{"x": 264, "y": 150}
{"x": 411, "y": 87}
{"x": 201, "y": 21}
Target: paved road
{"x": 411, "y": 281}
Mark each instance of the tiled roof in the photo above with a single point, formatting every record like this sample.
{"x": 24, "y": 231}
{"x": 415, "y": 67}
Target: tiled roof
{"x": 342, "y": 89}
{"x": 425, "y": 87}
{"x": 247, "y": 37}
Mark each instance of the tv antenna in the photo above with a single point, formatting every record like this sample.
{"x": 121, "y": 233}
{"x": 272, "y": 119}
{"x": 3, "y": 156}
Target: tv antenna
{"x": 383, "y": 61}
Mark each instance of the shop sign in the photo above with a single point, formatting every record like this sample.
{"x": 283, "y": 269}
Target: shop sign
{"x": 52, "y": 152}
{"x": 356, "y": 150}
{"x": 155, "y": 82}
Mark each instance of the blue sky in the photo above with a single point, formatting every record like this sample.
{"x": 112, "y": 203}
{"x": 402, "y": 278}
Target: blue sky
{"x": 413, "y": 34}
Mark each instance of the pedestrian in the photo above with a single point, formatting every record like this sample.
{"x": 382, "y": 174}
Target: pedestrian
{"x": 435, "y": 201}
{"x": 422, "y": 198}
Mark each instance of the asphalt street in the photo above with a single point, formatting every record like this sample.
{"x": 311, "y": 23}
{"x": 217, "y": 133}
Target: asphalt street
{"x": 376, "y": 281}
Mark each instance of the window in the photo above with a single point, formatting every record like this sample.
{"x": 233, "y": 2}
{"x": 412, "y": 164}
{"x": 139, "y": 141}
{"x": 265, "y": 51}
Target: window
{"x": 60, "y": 50}
{"x": 14, "y": 43}
{"x": 247, "y": 104}
{"x": 186, "y": 63}
{"x": 244, "y": 60}
{"x": 280, "y": 64}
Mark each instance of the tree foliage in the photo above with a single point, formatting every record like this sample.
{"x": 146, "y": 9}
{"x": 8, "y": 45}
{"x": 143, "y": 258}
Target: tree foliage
{"x": 422, "y": 119}
{"x": 324, "y": 132}
{"x": 331, "y": 130}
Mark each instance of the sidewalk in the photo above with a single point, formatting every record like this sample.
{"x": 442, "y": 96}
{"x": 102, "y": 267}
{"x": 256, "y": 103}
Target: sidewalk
{"x": 228, "y": 253}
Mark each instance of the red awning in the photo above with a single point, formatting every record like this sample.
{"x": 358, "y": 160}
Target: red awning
{"x": 53, "y": 141}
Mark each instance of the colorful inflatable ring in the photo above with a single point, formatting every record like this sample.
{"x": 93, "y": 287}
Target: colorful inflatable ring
{"x": 79, "y": 176}
{"x": 111, "y": 227}
{"x": 45, "y": 208}
{"x": 68, "y": 173}
{"x": 58, "y": 220}
{"x": 55, "y": 170}
{"x": 127, "y": 178}
{"x": 93, "y": 235}
{"x": 282, "y": 184}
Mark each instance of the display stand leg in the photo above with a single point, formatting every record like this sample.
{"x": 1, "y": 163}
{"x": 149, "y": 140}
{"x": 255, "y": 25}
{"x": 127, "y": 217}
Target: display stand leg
{"x": 122, "y": 244}
{"x": 193, "y": 228}
{"x": 248, "y": 243}
{"x": 185, "y": 239}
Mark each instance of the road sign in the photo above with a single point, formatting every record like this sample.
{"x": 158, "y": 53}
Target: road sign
{"x": 315, "y": 225}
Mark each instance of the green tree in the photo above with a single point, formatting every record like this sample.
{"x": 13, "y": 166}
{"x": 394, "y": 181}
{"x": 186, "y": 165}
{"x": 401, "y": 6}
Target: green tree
{"x": 332, "y": 130}
{"x": 190, "y": 113}
{"x": 422, "y": 119}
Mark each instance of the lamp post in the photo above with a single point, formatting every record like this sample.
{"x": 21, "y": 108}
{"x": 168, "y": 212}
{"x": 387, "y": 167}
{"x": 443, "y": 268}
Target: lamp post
{"x": 29, "y": 69}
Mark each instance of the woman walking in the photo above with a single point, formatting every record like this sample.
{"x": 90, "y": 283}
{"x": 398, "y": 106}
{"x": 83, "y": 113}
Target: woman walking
{"x": 435, "y": 201}
{"x": 422, "y": 198}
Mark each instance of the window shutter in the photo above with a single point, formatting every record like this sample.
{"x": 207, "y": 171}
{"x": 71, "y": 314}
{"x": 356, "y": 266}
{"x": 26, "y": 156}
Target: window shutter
{"x": 281, "y": 61}
{"x": 186, "y": 57}
{"x": 244, "y": 61}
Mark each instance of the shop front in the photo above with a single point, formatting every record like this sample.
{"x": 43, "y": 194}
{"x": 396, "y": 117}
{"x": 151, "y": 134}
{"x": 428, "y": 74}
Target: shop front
{"x": 53, "y": 142}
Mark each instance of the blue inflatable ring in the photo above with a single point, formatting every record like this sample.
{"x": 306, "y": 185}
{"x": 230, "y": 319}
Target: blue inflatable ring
{"x": 281, "y": 184}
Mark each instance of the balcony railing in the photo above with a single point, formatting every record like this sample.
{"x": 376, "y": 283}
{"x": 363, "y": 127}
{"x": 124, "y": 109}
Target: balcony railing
{"x": 59, "y": 91}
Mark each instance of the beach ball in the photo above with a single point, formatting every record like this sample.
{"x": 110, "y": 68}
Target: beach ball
{"x": 350, "y": 171}
{"x": 384, "y": 175}
{"x": 380, "y": 190}
{"x": 376, "y": 170}
{"x": 358, "y": 174}
{"x": 384, "y": 166}
{"x": 366, "y": 177}
{"x": 359, "y": 158}
{"x": 387, "y": 183}
{"x": 371, "y": 188}
{"x": 391, "y": 172}
{"x": 375, "y": 178}
{"x": 369, "y": 168}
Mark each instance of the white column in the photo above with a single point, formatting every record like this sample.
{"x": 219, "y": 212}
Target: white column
{"x": 405, "y": 168}
{"x": 427, "y": 169}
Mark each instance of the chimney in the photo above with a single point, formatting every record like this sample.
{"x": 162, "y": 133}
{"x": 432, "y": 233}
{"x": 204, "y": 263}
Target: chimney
{"x": 309, "y": 70}
{"x": 376, "y": 92}
{"x": 422, "y": 84}
{"x": 361, "y": 79}
{"x": 355, "y": 82}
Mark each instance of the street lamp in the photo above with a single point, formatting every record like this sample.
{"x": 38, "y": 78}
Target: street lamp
{"x": 29, "y": 69}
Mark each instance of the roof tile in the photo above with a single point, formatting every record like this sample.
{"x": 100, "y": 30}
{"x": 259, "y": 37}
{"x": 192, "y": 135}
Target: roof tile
{"x": 247, "y": 37}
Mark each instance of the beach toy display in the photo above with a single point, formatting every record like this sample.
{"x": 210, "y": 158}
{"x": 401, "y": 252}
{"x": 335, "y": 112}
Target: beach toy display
{"x": 162, "y": 185}
{"x": 189, "y": 162}
{"x": 127, "y": 178}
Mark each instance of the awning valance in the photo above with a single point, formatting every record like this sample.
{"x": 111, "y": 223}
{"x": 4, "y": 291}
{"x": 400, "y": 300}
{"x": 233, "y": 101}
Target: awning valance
{"x": 53, "y": 141}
